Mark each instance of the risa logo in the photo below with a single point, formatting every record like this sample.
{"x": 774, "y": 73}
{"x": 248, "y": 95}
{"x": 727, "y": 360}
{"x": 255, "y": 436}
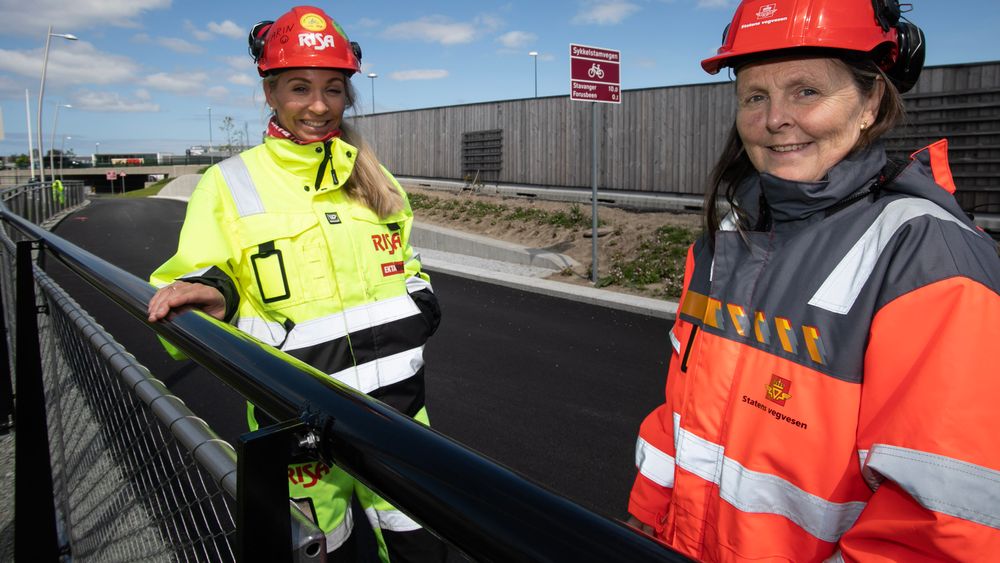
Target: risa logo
{"x": 767, "y": 11}
{"x": 777, "y": 390}
{"x": 387, "y": 242}
{"x": 317, "y": 41}
{"x": 307, "y": 474}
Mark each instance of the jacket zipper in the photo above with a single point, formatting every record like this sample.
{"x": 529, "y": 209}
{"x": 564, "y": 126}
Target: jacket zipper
{"x": 687, "y": 349}
{"x": 327, "y": 159}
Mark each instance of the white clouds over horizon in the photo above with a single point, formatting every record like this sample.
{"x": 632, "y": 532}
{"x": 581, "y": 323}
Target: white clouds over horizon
{"x": 177, "y": 83}
{"x": 432, "y": 29}
{"x": 178, "y": 45}
{"x": 517, "y": 39}
{"x": 112, "y": 102}
{"x": 714, "y": 4}
{"x": 425, "y": 74}
{"x": 67, "y": 16}
{"x": 604, "y": 13}
{"x": 228, "y": 29}
{"x": 83, "y": 64}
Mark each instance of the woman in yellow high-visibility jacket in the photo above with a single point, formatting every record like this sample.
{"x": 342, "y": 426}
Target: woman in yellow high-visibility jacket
{"x": 303, "y": 243}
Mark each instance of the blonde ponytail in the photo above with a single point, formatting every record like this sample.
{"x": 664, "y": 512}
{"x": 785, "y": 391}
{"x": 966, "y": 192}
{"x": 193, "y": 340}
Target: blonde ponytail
{"x": 368, "y": 182}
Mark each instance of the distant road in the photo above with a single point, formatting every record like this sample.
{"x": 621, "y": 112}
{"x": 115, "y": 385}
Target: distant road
{"x": 551, "y": 388}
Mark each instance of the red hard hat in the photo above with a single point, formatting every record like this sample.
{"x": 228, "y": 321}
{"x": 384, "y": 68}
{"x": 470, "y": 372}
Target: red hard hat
{"x": 303, "y": 37}
{"x": 760, "y": 26}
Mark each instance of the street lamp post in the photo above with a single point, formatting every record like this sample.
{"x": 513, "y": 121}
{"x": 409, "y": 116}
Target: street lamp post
{"x": 62, "y": 156}
{"x": 41, "y": 94}
{"x": 31, "y": 142}
{"x": 373, "y": 76}
{"x": 52, "y": 149}
{"x": 209, "y": 128}
{"x": 534, "y": 55}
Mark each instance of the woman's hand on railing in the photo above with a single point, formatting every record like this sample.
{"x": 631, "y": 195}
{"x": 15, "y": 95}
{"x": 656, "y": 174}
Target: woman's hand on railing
{"x": 179, "y": 297}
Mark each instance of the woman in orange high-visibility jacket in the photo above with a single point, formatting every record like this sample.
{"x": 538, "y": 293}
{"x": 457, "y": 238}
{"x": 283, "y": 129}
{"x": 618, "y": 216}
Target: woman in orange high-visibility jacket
{"x": 303, "y": 243}
{"x": 833, "y": 385}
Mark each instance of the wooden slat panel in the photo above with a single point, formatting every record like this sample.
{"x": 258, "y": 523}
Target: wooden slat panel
{"x": 666, "y": 140}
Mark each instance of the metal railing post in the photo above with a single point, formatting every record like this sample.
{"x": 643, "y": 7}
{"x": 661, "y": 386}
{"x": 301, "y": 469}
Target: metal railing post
{"x": 35, "y": 537}
{"x": 263, "y": 527}
{"x": 6, "y": 388}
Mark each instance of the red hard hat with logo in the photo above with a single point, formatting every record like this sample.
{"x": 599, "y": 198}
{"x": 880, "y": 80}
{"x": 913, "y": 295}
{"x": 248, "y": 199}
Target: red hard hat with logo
{"x": 866, "y": 26}
{"x": 305, "y": 37}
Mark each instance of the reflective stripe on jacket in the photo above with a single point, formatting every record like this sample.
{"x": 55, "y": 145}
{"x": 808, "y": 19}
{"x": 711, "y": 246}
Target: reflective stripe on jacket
{"x": 832, "y": 389}
{"x": 318, "y": 274}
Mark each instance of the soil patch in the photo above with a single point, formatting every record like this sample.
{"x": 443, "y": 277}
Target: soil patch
{"x": 625, "y": 236}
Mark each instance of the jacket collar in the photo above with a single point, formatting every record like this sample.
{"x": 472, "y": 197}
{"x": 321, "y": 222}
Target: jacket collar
{"x": 304, "y": 160}
{"x": 795, "y": 201}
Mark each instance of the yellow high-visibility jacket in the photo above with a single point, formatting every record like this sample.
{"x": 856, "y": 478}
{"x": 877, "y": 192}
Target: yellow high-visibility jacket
{"x": 309, "y": 270}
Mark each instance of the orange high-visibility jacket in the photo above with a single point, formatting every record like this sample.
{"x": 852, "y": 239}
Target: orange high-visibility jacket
{"x": 834, "y": 389}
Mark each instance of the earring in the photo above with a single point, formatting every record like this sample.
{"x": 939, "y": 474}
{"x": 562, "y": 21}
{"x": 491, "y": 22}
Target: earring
{"x": 864, "y": 125}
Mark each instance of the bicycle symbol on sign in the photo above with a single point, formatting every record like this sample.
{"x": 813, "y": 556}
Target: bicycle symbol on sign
{"x": 595, "y": 71}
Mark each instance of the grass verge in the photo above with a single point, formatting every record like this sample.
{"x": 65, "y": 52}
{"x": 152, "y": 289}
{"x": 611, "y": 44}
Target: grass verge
{"x": 149, "y": 190}
{"x": 657, "y": 267}
{"x": 478, "y": 210}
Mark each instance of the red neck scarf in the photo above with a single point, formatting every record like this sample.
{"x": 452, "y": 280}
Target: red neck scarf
{"x": 275, "y": 130}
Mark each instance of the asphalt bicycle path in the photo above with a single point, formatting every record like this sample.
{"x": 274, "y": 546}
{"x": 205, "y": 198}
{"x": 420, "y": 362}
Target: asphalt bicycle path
{"x": 552, "y": 388}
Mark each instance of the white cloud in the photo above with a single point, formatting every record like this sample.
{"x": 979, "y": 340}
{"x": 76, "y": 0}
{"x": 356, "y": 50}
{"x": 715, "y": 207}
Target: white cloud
{"x": 366, "y": 23}
{"x": 113, "y": 102}
{"x": 238, "y": 63}
{"x": 433, "y": 29}
{"x": 178, "y": 83}
{"x": 243, "y": 79}
{"x": 73, "y": 16}
{"x": 79, "y": 63}
{"x": 516, "y": 39}
{"x": 217, "y": 92}
{"x": 178, "y": 45}
{"x": 488, "y": 23}
{"x": 199, "y": 34}
{"x": 428, "y": 74}
{"x": 645, "y": 63}
{"x": 713, "y": 3}
{"x": 605, "y": 13}
{"x": 228, "y": 28}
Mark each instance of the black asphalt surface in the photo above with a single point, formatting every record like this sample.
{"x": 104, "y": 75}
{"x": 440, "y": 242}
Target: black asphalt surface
{"x": 552, "y": 388}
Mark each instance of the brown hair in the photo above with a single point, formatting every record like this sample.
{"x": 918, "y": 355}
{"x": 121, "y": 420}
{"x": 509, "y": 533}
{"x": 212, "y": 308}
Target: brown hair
{"x": 734, "y": 164}
{"x": 368, "y": 183}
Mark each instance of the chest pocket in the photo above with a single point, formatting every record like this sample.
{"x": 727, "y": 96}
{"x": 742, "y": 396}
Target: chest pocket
{"x": 284, "y": 259}
{"x": 382, "y": 257}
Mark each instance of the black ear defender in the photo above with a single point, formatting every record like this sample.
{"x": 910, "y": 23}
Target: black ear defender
{"x": 356, "y": 49}
{"x": 256, "y": 39}
{"x": 912, "y": 45}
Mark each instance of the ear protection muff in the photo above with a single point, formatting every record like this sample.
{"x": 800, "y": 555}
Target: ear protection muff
{"x": 357, "y": 50}
{"x": 911, "y": 45}
{"x": 256, "y": 39}
{"x": 910, "y": 60}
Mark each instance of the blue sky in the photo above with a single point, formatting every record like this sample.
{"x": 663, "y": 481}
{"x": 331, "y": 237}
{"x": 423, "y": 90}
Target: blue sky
{"x": 143, "y": 73}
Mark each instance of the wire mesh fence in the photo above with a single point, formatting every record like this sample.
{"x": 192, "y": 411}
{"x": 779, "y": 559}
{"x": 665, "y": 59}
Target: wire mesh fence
{"x": 126, "y": 488}
{"x": 129, "y": 470}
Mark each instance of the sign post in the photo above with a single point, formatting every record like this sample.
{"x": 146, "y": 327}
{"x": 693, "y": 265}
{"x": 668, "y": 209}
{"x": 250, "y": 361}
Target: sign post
{"x": 111, "y": 175}
{"x": 594, "y": 77}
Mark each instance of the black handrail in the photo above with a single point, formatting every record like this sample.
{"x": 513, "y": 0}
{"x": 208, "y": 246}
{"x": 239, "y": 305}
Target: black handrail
{"x": 483, "y": 508}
